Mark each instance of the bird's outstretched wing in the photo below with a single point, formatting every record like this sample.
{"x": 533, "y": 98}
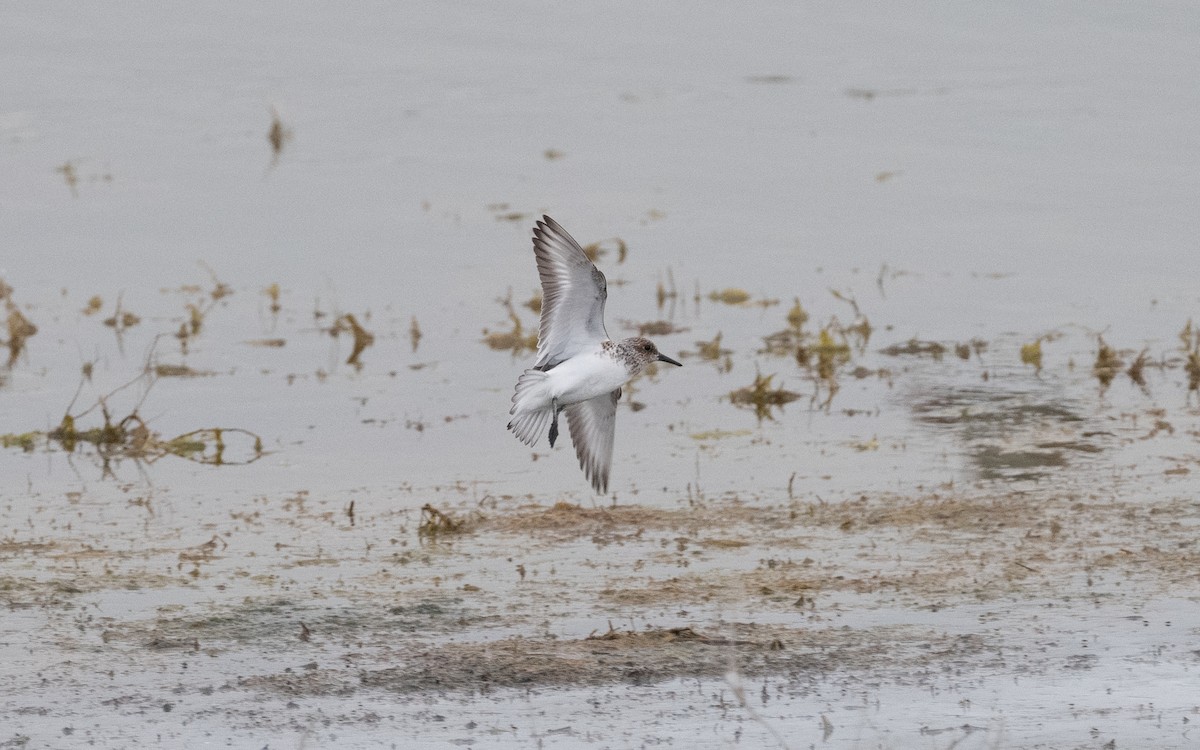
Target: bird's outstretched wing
{"x": 593, "y": 424}
{"x": 573, "y": 295}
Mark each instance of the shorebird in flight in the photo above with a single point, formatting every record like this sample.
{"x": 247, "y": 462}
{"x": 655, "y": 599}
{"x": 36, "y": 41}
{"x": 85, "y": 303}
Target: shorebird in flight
{"x": 579, "y": 369}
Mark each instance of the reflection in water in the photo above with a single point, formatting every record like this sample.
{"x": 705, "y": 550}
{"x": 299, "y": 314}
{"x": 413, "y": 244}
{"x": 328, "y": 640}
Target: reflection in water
{"x": 1004, "y": 431}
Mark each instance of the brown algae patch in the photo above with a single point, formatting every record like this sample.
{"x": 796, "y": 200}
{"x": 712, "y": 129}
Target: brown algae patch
{"x": 762, "y": 397}
{"x": 565, "y": 520}
{"x": 938, "y": 546}
{"x": 638, "y": 657}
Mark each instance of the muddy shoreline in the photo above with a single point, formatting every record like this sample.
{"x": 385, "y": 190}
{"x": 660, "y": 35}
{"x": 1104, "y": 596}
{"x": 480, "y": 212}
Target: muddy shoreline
{"x": 944, "y": 592}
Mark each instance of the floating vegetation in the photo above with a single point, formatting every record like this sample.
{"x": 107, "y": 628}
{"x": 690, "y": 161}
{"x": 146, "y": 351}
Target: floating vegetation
{"x": 363, "y": 338}
{"x": 859, "y": 332}
{"x": 863, "y": 446}
{"x": 534, "y": 303}
{"x": 1136, "y": 370}
{"x": 179, "y": 371}
{"x": 860, "y": 329}
{"x": 19, "y": 327}
{"x": 797, "y": 316}
{"x": 665, "y": 293}
{"x": 131, "y": 438}
{"x": 785, "y": 343}
{"x": 553, "y": 154}
{"x": 915, "y": 348}
{"x": 712, "y": 352}
{"x": 1190, "y": 336}
{"x": 220, "y": 289}
{"x": 208, "y": 445}
{"x": 658, "y": 328}
{"x": 718, "y": 434}
{"x": 1031, "y": 354}
{"x": 825, "y": 353}
{"x": 195, "y": 319}
{"x": 762, "y": 396}
{"x": 597, "y": 250}
{"x": 962, "y": 351}
{"x": 516, "y": 340}
{"x": 70, "y": 176}
{"x": 199, "y": 310}
{"x": 730, "y": 296}
{"x": 1191, "y": 345}
{"x": 272, "y": 293}
{"x": 434, "y": 523}
{"x": 266, "y": 343}
{"x": 830, "y": 356}
{"x": 26, "y": 441}
{"x": 711, "y": 349}
{"x": 1107, "y": 364}
{"x": 1192, "y": 367}
{"x": 121, "y": 319}
{"x": 94, "y": 305}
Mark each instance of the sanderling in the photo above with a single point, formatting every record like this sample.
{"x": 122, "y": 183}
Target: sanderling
{"x": 579, "y": 370}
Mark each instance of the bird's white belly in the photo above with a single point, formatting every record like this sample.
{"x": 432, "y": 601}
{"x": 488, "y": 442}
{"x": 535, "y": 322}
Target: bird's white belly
{"x": 585, "y": 377}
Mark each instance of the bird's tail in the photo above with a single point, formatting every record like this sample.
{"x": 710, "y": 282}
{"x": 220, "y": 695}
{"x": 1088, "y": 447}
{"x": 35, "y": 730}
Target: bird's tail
{"x": 532, "y": 407}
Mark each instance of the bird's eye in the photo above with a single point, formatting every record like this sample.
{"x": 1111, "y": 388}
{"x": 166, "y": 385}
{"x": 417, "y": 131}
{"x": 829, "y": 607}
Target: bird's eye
{"x": 648, "y": 348}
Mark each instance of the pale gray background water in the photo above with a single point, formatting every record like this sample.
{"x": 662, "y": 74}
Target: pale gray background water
{"x": 1052, "y": 145}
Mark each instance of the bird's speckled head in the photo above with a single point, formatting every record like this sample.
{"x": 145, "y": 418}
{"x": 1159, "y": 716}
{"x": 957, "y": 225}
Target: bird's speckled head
{"x": 638, "y": 353}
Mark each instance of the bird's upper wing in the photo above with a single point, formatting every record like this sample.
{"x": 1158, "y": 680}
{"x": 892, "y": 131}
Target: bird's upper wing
{"x": 573, "y": 295}
{"x": 593, "y": 424}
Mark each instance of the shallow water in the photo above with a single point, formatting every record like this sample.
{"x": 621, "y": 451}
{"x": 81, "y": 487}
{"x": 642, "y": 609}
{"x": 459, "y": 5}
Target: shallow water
{"x": 974, "y": 176}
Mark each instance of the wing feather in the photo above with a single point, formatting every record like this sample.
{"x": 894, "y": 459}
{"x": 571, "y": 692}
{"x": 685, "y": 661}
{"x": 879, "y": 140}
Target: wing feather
{"x": 573, "y": 296}
{"x": 593, "y": 424}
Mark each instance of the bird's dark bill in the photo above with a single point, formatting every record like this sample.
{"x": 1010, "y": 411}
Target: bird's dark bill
{"x": 665, "y": 358}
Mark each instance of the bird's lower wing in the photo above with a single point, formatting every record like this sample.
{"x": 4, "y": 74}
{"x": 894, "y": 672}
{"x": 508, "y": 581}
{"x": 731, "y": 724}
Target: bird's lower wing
{"x": 593, "y": 424}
